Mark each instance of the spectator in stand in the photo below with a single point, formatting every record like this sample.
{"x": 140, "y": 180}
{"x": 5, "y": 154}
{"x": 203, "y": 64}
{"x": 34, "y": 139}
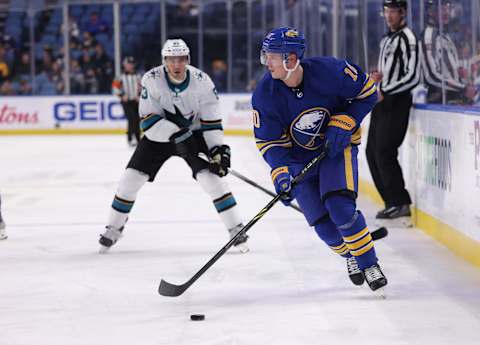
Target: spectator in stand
{"x": 23, "y": 67}
{"x": 77, "y": 78}
{"x": 96, "y": 24}
{"x": 45, "y": 64}
{"x": 44, "y": 84}
{"x": 91, "y": 82}
{"x": 72, "y": 29}
{"x": 103, "y": 69}
{"x": 4, "y": 69}
{"x": 88, "y": 41}
{"x": 219, "y": 74}
{"x": 25, "y": 88}
{"x": 7, "y": 88}
{"x": 86, "y": 61}
{"x": 57, "y": 77}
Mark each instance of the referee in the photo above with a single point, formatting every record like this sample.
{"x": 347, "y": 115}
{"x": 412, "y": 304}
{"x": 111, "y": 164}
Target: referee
{"x": 127, "y": 87}
{"x": 396, "y": 76}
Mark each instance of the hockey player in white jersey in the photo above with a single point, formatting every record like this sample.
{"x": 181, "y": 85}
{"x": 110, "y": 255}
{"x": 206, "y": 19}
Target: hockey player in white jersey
{"x": 179, "y": 117}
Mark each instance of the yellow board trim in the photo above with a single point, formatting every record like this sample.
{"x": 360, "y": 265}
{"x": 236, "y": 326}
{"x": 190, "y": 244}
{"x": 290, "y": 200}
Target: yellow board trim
{"x": 459, "y": 243}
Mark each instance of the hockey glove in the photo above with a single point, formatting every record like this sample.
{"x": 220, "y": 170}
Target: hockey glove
{"x": 339, "y": 134}
{"x": 283, "y": 184}
{"x": 185, "y": 143}
{"x": 219, "y": 159}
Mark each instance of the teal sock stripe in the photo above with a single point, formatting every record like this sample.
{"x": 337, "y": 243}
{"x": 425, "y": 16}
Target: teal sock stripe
{"x": 121, "y": 205}
{"x": 225, "y": 202}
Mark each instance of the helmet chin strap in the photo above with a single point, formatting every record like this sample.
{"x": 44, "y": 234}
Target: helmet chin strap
{"x": 289, "y": 71}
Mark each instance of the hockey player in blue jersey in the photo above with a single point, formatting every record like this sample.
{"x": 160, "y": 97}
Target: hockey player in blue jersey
{"x": 304, "y": 106}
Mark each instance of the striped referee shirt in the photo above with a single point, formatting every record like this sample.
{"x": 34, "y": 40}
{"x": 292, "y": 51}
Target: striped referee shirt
{"x": 440, "y": 60}
{"x": 398, "y": 61}
{"x": 130, "y": 85}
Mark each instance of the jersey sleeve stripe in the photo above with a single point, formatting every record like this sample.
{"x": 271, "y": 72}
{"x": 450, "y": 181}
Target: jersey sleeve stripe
{"x": 368, "y": 88}
{"x": 148, "y": 121}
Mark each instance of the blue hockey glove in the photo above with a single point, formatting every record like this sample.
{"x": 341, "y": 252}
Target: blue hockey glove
{"x": 219, "y": 159}
{"x": 185, "y": 143}
{"x": 283, "y": 184}
{"x": 339, "y": 134}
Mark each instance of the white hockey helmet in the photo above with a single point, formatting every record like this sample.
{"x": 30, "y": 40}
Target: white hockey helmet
{"x": 175, "y": 47}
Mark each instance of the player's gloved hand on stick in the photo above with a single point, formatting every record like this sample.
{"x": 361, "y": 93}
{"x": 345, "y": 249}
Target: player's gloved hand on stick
{"x": 185, "y": 143}
{"x": 219, "y": 159}
{"x": 339, "y": 134}
{"x": 283, "y": 184}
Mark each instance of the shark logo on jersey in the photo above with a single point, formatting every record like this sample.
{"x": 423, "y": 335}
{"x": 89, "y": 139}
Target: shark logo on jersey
{"x": 308, "y": 128}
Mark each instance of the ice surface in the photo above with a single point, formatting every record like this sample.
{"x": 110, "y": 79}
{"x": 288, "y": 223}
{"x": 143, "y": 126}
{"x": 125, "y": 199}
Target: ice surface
{"x": 55, "y": 289}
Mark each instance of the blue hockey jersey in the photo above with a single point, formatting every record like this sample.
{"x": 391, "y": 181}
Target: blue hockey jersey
{"x": 290, "y": 123}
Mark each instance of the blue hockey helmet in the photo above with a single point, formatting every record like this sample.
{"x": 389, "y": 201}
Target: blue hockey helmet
{"x": 284, "y": 40}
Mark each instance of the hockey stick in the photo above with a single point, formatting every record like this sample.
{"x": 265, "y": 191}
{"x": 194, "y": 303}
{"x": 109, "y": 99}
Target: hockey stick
{"x": 376, "y": 234}
{"x": 263, "y": 189}
{"x": 173, "y": 290}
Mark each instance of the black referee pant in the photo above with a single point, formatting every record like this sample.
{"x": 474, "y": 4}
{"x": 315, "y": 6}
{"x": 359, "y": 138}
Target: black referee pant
{"x": 130, "y": 108}
{"x": 388, "y": 126}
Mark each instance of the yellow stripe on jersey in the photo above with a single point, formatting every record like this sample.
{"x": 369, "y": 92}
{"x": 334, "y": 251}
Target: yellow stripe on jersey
{"x": 278, "y": 171}
{"x": 264, "y": 145}
{"x": 369, "y": 88}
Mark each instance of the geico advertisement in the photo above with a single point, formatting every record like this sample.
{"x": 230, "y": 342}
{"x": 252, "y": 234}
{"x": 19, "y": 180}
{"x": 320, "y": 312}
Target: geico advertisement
{"x": 61, "y": 112}
{"x": 446, "y": 169}
{"x": 87, "y": 112}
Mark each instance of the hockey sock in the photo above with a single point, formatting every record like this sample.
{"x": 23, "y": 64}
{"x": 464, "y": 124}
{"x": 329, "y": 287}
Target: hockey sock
{"x": 328, "y": 233}
{"x": 128, "y": 187}
{"x": 353, "y": 227}
{"x": 222, "y": 198}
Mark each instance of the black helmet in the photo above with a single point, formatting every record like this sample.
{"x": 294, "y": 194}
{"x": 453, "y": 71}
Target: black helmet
{"x": 395, "y": 3}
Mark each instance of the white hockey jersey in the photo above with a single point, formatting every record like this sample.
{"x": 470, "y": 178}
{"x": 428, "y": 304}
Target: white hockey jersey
{"x": 166, "y": 107}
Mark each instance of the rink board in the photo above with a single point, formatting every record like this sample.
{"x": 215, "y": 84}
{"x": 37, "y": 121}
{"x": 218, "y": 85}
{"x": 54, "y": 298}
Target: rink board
{"x": 441, "y": 164}
{"x": 95, "y": 114}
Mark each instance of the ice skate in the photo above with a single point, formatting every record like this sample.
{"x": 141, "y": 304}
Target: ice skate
{"x": 376, "y": 279}
{"x": 3, "y": 234}
{"x": 354, "y": 272}
{"x": 109, "y": 238}
{"x": 241, "y": 242}
{"x": 395, "y": 216}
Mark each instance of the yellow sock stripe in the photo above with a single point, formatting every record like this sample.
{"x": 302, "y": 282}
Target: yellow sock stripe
{"x": 341, "y": 249}
{"x": 356, "y": 237}
{"x": 342, "y": 121}
{"x": 278, "y": 171}
{"x": 360, "y": 243}
{"x": 362, "y": 250}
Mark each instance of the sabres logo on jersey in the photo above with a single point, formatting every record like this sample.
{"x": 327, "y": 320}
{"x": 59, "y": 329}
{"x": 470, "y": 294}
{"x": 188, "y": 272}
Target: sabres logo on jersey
{"x": 308, "y": 128}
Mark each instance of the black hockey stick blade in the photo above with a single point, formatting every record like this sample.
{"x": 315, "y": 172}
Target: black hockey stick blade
{"x": 172, "y": 290}
{"x": 379, "y": 233}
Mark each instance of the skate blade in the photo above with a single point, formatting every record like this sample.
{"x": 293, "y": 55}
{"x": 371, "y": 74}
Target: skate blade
{"x": 103, "y": 250}
{"x": 243, "y": 248}
{"x": 402, "y": 222}
{"x": 380, "y": 292}
{"x": 3, "y": 237}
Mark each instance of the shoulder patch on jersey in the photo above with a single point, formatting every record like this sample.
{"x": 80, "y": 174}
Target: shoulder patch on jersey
{"x": 199, "y": 75}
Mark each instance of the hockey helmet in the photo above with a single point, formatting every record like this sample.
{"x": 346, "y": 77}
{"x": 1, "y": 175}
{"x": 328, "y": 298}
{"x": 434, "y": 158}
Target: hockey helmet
{"x": 175, "y": 47}
{"x": 395, "y": 3}
{"x": 284, "y": 40}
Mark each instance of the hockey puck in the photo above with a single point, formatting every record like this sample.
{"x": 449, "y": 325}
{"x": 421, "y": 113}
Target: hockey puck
{"x": 197, "y": 317}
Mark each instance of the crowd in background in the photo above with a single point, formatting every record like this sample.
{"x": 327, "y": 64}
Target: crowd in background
{"x": 91, "y": 53}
